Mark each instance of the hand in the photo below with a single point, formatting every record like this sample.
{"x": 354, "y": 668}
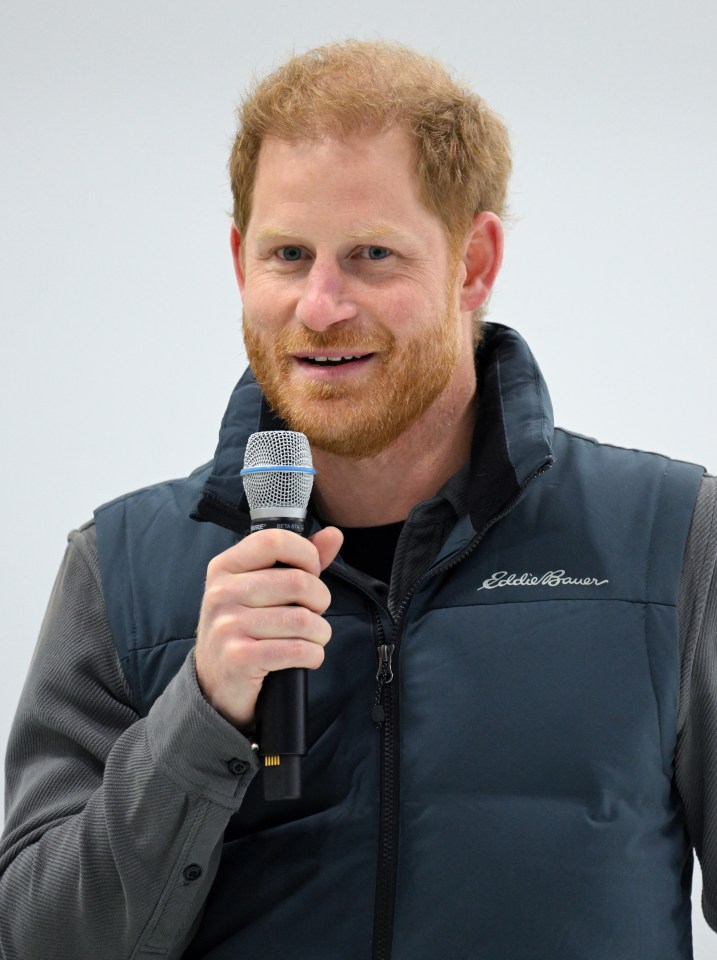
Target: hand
{"x": 257, "y": 617}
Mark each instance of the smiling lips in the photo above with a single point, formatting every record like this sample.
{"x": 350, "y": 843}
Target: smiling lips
{"x": 323, "y": 360}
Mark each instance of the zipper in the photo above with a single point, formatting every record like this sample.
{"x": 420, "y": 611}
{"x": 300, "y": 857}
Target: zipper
{"x": 384, "y": 675}
{"x": 385, "y": 714}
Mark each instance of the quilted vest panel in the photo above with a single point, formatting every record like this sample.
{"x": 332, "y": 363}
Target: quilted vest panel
{"x": 536, "y": 668}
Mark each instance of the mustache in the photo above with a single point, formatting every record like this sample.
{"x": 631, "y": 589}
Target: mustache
{"x": 356, "y": 338}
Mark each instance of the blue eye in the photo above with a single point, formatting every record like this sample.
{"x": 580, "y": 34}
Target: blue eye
{"x": 290, "y": 253}
{"x": 377, "y": 253}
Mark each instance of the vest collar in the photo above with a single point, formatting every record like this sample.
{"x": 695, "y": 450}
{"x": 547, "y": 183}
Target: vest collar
{"x": 511, "y": 444}
{"x": 513, "y": 437}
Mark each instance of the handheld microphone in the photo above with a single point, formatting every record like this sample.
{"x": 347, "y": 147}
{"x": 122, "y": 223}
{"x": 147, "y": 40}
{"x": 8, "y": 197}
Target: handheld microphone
{"x": 278, "y": 475}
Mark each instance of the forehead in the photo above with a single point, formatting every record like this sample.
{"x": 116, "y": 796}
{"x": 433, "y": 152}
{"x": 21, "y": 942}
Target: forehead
{"x": 391, "y": 147}
{"x": 372, "y": 172}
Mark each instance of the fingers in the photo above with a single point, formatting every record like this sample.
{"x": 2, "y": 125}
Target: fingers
{"x": 258, "y": 617}
{"x": 265, "y": 623}
{"x": 267, "y": 588}
{"x": 266, "y": 548}
{"x": 253, "y": 663}
{"x": 328, "y": 543}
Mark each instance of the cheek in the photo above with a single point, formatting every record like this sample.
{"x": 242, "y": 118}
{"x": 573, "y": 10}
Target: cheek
{"x": 264, "y": 313}
{"x": 404, "y": 305}
{"x": 264, "y": 289}
{"x": 422, "y": 310}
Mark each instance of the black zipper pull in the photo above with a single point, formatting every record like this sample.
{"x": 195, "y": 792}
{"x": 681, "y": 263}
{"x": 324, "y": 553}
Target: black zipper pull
{"x": 384, "y": 675}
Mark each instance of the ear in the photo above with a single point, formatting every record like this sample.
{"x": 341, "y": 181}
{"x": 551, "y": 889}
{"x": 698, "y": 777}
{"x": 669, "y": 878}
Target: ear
{"x": 236, "y": 245}
{"x": 482, "y": 257}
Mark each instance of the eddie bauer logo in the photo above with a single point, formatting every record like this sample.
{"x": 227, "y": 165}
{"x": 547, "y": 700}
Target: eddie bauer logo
{"x": 553, "y": 578}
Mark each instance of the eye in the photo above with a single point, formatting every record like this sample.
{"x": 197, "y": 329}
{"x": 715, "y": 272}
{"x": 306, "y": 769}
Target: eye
{"x": 290, "y": 254}
{"x": 375, "y": 253}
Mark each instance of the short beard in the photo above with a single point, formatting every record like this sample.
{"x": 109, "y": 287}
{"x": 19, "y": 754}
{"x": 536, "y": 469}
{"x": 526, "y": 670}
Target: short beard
{"x": 355, "y": 420}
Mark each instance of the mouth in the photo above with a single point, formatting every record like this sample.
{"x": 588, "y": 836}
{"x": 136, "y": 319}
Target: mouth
{"x": 333, "y": 367}
{"x": 332, "y": 360}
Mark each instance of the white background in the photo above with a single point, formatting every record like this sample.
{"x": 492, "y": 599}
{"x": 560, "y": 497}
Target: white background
{"x": 120, "y": 332}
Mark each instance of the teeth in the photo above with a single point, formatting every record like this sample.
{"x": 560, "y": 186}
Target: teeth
{"x": 351, "y": 356}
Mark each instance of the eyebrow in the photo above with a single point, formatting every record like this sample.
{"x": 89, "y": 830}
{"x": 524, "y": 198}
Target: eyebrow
{"x": 378, "y": 228}
{"x": 368, "y": 231}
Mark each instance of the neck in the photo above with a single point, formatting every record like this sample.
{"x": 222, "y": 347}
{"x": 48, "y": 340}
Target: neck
{"x": 383, "y": 488}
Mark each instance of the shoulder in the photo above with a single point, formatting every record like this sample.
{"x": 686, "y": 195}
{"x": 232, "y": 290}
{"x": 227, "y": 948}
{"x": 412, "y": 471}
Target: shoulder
{"x": 180, "y": 488}
{"x": 156, "y": 517}
{"x": 572, "y": 438}
{"x": 628, "y": 471}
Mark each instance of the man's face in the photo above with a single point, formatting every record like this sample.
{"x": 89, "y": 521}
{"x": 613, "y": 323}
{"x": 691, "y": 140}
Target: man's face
{"x": 341, "y": 260}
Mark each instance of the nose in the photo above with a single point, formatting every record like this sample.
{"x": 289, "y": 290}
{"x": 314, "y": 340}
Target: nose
{"x": 324, "y": 298}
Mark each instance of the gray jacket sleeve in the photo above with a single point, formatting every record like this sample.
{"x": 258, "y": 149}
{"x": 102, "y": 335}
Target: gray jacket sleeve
{"x": 696, "y": 756}
{"x": 114, "y": 823}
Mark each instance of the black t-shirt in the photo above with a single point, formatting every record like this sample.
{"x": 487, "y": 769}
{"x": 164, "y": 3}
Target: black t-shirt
{"x": 371, "y": 549}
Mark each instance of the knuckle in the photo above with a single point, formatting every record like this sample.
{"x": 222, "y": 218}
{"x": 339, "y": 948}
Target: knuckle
{"x": 213, "y": 576}
{"x": 280, "y": 654}
{"x": 240, "y": 654}
{"x": 301, "y": 619}
{"x": 221, "y": 594}
{"x": 212, "y": 629}
{"x": 296, "y": 582}
{"x": 325, "y": 598}
{"x": 272, "y": 539}
{"x": 246, "y": 587}
{"x": 216, "y": 567}
{"x": 288, "y": 619}
{"x": 214, "y": 594}
{"x": 224, "y": 627}
{"x": 317, "y": 658}
{"x": 297, "y": 649}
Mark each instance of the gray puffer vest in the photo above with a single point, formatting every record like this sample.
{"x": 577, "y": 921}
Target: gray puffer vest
{"x": 517, "y": 800}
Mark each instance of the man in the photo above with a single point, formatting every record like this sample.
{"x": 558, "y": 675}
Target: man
{"x": 509, "y": 730}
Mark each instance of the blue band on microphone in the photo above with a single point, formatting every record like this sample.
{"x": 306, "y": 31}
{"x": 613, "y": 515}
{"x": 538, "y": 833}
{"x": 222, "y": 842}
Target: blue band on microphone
{"x": 277, "y": 469}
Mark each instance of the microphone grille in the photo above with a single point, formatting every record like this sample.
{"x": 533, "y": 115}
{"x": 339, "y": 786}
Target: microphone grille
{"x": 278, "y": 471}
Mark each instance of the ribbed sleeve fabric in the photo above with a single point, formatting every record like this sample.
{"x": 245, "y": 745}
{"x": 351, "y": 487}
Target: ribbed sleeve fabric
{"x": 696, "y": 756}
{"x": 114, "y": 824}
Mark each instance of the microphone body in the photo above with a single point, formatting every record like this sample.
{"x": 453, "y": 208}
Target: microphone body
{"x": 278, "y": 475}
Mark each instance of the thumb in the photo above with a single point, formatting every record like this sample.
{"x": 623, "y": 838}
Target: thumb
{"x": 328, "y": 542}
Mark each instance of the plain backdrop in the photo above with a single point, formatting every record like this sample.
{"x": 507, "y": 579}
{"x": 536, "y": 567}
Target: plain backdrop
{"x": 120, "y": 317}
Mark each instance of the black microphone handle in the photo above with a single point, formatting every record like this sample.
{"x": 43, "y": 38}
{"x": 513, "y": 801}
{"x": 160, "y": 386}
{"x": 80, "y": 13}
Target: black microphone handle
{"x": 281, "y": 710}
